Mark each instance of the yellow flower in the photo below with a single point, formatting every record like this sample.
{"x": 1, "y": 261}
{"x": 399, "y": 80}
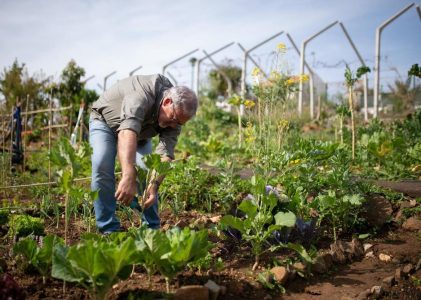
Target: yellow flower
{"x": 249, "y": 133}
{"x": 281, "y": 47}
{"x": 295, "y": 162}
{"x": 249, "y": 104}
{"x": 235, "y": 100}
{"x": 290, "y": 81}
{"x": 304, "y": 77}
{"x": 283, "y": 124}
{"x": 256, "y": 72}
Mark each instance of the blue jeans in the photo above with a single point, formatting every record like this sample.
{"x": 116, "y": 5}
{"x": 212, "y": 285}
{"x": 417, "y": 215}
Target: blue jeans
{"x": 104, "y": 144}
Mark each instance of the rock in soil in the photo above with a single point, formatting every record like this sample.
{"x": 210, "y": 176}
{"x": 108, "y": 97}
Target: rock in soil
{"x": 388, "y": 281}
{"x": 367, "y": 247}
{"x": 192, "y": 292}
{"x": 357, "y": 248}
{"x": 385, "y": 257}
{"x": 369, "y": 254}
{"x": 378, "y": 211}
{"x": 412, "y": 224}
{"x": 299, "y": 267}
{"x": 398, "y": 274}
{"x": 280, "y": 274}
{"x": 407, "y": 269}
{"x": 215, "y": 219}
{"x": 328, "y": 259}
{"x": 377, "y": 291}
{"x": 337, "y": 252}
{"x": 214, "y": 289}
{"x": 319, "y": 265}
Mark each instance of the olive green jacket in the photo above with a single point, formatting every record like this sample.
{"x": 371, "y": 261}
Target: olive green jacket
{"x": 133, "y": 103}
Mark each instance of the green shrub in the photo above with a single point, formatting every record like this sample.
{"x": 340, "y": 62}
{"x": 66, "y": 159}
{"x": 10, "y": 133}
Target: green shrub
{"x": 23, "y": 225}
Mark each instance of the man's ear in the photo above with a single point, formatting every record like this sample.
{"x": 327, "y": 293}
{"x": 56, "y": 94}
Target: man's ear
{"x": 167, "y": 101}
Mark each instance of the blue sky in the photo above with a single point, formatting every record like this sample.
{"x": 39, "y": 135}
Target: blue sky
{"x": 103, "y": 36}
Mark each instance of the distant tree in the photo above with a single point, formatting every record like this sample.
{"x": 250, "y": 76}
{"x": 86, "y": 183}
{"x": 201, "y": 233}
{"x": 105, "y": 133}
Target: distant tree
{"x": 218, "y": 85}
{"x": 16, "y": 85}
{"x": 403, "y": 96}
{"x": 71, "y": 89}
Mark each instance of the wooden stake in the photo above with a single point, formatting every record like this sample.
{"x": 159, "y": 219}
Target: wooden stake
{"x": 24, "y": 130}
{"x": 50, "y": 123}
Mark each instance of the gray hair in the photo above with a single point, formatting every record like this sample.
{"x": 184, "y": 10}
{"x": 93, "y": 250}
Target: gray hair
{"x": 184, "y": 99}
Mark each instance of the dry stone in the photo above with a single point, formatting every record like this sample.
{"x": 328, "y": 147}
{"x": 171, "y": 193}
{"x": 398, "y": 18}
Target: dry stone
{"x": 369, "y": 254}
{"x": 215, "y": 219}
{"x": 388, "y": 281}
{"x": 299, "y": 267}
{"x": 378, "y": 211}
{"x": 192, "y": 292}
{"x": 337, "y": 252}
{"x": 412, "y": 224}
{"x": 377, "y": 291}
{"x": 319, "y": 265}
{"x": 328, "y": 260}
{"x": 407, "y": 269}
{"x": 280, "y": 274}
{"x": 214, "y": 289}
{"x": 385, "y": 257}
{"x": 367, "y": 247}
{"x": 398, "y": 274}
{"x": 357, "y": 248}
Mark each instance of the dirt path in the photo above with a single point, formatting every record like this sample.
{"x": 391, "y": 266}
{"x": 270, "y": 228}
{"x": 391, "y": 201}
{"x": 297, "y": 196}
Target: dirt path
{"x": 347, "y": 282}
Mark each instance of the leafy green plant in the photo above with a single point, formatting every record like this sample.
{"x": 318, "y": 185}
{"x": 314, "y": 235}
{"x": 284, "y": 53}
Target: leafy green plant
{"x": 96, "y": 264}
{"x": 190, "y": 190}
{"x": 350, "y": 80}
{"x": 154, "y": 168}
{"x": 258, "y": 226}
{"x": 24, "y": 225}
{"x": 70, "y": 163}
{"x": 342, "y": 111}
{"x": 341, "y": 212}
{"x": 170, "y": 252}
{"x": 39, "y": 257}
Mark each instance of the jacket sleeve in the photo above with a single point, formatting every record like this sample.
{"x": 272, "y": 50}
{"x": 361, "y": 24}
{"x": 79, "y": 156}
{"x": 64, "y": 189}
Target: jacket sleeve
{"x": 167, "y": 141}
{"x": 133, "y": 110}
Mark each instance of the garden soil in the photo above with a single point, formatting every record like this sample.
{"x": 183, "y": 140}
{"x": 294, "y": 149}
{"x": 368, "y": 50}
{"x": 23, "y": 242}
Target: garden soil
{"x": 341, "y": 282}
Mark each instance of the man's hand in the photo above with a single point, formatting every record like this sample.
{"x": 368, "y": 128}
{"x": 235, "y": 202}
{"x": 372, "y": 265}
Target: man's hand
{"x": 126, "y": 189}
{"x": 151, "y": 195}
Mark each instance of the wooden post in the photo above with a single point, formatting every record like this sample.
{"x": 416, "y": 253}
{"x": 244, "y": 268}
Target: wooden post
{"x": 4, "y": 122}
{"x": 24, "y": 130}
{"x": 50, "y": 124}
{"x": 11, "y": 141}
{"x": 81, "y": 123}
{"x": 319, "y": 107}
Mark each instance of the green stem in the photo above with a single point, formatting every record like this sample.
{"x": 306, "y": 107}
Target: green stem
{"x": 167, "y": 284}
{"x": 66, "y": 213}
{"x": 239, "y": 128}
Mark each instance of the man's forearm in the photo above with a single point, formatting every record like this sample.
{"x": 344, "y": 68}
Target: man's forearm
{"x": 127, "y": 142}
